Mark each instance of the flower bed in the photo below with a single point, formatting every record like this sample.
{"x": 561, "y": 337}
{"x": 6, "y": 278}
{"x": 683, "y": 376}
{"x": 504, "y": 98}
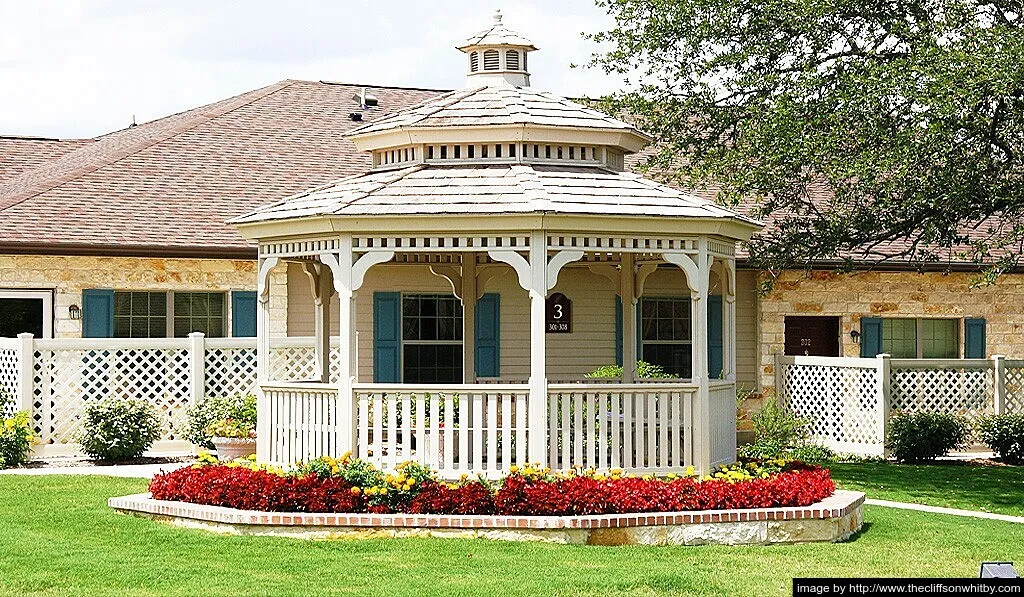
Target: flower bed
{"x": 349, "y": 485}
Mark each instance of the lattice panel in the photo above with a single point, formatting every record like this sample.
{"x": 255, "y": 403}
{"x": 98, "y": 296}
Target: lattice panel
{"x": 842, "y": 402}
{"x": 8, "y": 381}
{"x": 230, "y": 371}
{"x": 958, "y": 391}
{"x": 298, "y": 363}
{"x": 67, "y": 380}
{"x": 1014, "y": 400}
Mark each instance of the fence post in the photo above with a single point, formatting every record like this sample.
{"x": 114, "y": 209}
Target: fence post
{"x": 884, "y": 398}
{"x": 26, "y": 363}
{"x": 197, "y": 366}
{"x": 780, "y": 381}
{"x": 1000, "y": 383}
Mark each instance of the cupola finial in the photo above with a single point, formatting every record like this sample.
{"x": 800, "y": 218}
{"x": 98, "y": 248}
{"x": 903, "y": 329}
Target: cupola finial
{"x": 497, "y": 56}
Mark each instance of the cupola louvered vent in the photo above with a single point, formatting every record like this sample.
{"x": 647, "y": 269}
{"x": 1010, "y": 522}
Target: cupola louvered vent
{"x": 512, "y": 60}
{"x": 474, "y": 62}
{"x": 491, "y": 60}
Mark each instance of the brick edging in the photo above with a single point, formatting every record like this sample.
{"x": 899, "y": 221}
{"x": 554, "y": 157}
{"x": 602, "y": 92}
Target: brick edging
{"x": 835, "y": 506}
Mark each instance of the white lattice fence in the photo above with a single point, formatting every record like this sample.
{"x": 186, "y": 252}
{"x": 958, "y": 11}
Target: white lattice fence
{"x": 964, "y": 387}
{"x": 9, "y": 364}
{"x": 294, "y": 359}
{"x": 1013, "y": 378}
{"x": 843, "y": 398}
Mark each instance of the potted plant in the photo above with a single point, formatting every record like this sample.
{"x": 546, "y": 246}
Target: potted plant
{"x": 232, "y": 438}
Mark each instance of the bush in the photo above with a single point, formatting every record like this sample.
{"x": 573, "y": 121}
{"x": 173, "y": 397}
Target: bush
{"x": 119, "y": 428}
{"x": 239, "y": 408}
{"x": 644, "y": 370}
{"x": 779, "y": 433}
{"x": 1004, "y": 435}
{"x": 16, "y": 439}
{"x": 926, "y": 436}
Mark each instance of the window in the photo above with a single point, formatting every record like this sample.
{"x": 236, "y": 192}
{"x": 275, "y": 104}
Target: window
{"x": 921, "y": 338}
{"x": 665, "y": 334}
{"x": 431, "y": 339}
{"x": 169, "y": 314}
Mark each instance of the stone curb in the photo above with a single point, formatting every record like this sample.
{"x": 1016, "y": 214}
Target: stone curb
{"x": 941, "y": 510}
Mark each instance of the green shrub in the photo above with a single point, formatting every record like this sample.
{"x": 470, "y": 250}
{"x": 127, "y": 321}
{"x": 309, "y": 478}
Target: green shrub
{"x": 119, "y": 428}
{"x": 926, "y": 436}
{"x": 644, "y": 370}
{"x": 776, "y": 431}
{"x": 239, "y": 408}
{"x": 1004, "y": 435}
{"x": 16, "y": 439}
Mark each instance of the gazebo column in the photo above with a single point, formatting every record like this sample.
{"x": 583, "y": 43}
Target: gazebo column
{"x": 729, "y": 319}
{"x": 537, "y": 276}
{"x": 698, "y": 278}
{"x": 322, "y": 289}
{"x": 628, "y": 296}
{"x": 263, "y": 351}
{"x": 469, "y": 294}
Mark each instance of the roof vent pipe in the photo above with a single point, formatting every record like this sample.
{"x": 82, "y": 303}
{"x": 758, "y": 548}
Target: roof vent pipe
{"x": 366, "y": 100}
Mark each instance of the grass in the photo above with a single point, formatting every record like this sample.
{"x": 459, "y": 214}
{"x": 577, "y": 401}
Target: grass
{"x": 997, "y": 489}
{"x": 59, "y": 538}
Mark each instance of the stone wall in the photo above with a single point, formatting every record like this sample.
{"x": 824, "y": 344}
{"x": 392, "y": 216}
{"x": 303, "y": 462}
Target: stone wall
{"x": 890, "y": 294}
{"x": 68, "y": 276}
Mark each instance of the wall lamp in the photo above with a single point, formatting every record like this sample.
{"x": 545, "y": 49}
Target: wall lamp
{"x": 75, "y": 312}
{"x": 856, "y": 336}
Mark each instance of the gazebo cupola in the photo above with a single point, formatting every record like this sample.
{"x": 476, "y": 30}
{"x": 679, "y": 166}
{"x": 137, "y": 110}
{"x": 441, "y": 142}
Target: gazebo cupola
{"x": 496, "y": 252}
{"x": 497, "y": 56}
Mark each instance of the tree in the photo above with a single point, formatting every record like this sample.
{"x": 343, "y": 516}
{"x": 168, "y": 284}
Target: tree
{"x": 865, "y": 130}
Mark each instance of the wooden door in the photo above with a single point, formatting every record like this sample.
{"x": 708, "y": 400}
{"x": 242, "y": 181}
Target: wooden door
{"x": 812, "y": 336}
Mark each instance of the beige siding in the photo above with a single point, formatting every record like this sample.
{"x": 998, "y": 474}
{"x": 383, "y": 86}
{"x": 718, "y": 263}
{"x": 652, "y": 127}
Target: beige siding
{"x": 590, "y": 345}
{"x": 746, "y": 330}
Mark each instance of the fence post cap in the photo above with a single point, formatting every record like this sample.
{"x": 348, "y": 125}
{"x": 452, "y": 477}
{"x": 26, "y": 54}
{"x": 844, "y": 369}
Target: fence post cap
{"x": 196, "y": 334}
{"x": 26, "y": 335}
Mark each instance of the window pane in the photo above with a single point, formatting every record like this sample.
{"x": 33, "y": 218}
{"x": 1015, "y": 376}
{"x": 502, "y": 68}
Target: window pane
{"x": 676, "y": 359}
{"x": 122, "y": 303}
{"x": 899, "y": 338}
{"x": 199, "y": 312}
{"x": 665, "y": 319}
{"x": 140, "y": 314}
{"x": 939, "y": 338}
{"x": 432, "y": 363}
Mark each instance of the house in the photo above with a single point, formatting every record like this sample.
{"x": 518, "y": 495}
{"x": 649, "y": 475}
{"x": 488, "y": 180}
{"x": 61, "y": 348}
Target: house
{"x": 124, "y": 235}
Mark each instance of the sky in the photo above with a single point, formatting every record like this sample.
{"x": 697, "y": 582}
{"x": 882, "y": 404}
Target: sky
{"x": 73, "y": 69}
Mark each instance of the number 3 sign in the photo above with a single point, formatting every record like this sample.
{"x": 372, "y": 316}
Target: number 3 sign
{"x": 559, "y": 314}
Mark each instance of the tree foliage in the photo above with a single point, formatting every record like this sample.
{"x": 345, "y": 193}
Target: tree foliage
{"x": 863, "y": 129}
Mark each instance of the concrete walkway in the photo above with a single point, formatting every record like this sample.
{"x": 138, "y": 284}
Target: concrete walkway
{"x": 940, "y": 510}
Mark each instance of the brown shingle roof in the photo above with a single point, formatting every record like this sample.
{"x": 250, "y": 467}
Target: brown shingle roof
{"x": 21, "y": 154}
{"x": 169, "y": 186}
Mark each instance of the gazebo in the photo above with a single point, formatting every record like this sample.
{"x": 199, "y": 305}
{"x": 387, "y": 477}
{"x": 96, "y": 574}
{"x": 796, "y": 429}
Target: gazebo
{"x": 555, "y": 260}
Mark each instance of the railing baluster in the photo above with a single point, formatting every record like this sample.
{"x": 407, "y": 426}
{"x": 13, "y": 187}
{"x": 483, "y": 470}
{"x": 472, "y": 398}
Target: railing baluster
{"x": 521, "y": 431}
{"x": 565, "y": 429}
{"x": 650, "y": 424}
{"x": 464, "y": 433}
{"x": 602, "y": 442}
{"x": 616, "y": 429}
{"x": 577, "y": 429}
{"x": 663, "y": 406}
{"x": 422, "y": 454}
{"x": 449, "y": 403}
{"x": 492, "y": 432}
{"x": 628, "y": 429}
{"x": 378, "y": 427}
{"x": 406, "y": 427}
{"x": 392, "y": 430}
{"x": 478, "y": 432}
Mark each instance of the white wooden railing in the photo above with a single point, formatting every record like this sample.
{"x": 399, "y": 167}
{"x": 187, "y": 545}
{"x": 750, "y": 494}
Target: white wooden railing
{"x": 850, "y": 400}
{"x": 455, "y": 429}
{"x": 298, "y": 422}
{"x": 722, "y": 422}
{"x": 642, "y": 428}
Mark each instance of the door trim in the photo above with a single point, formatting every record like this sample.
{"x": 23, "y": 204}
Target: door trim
{"x": 45, "y": 295}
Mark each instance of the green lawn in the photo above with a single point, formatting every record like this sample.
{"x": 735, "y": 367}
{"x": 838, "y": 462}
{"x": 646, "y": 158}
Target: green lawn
{"x": 59, "y": 538}
{"x": 987, "y": 488}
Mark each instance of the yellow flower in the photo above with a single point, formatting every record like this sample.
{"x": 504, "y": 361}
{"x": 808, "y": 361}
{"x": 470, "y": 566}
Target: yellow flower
{"x": 355, "y": 491}
{"x": 513, "y": 469}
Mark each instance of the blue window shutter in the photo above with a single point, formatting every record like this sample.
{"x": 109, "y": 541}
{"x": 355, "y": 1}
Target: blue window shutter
{"x": 97, "y": 313}
{"x": 974, "y": 339}
{"x": 870, "y": 336}
{"x": 488, "y": 335}
{"x": 387, "y": 336}
{"x": 715, "y": 343}
{"x": 618, "y": 330}
{"x": 243, "y": 313}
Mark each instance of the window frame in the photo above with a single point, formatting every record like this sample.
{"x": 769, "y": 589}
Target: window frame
{"x": 958, "y": 339}
{"x": 402, "y": 342}
{"x": 169, "y": 311}
{"x": 640, "y": 322}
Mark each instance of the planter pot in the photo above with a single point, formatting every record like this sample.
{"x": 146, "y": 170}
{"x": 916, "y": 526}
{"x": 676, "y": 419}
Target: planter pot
{"x": 230, "y": 448}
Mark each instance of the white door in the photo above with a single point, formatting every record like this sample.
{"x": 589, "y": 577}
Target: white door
{"x": 26, "y": 311}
